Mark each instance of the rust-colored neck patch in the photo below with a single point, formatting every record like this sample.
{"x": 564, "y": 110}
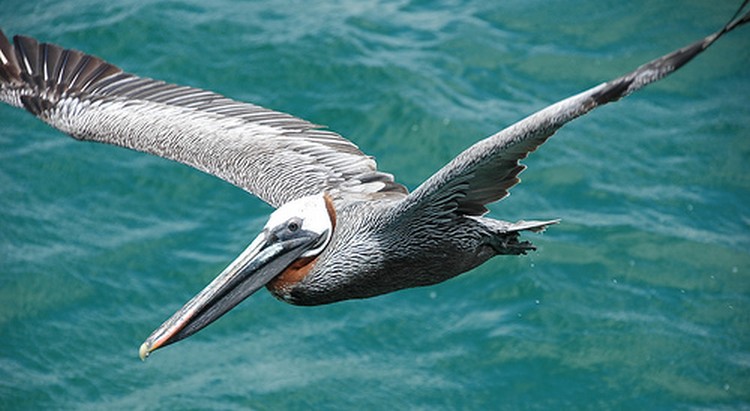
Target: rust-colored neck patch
{"x": 293, "y": 274}
{"x": 331, "y": 211}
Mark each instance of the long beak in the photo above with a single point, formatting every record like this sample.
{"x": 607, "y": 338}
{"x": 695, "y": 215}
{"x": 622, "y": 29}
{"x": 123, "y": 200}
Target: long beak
{"x": 262, "y": 260}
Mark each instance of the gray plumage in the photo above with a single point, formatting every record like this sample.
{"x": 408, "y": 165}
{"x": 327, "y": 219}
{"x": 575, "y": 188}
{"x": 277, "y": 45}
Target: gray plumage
{"x": 385, "y": 238}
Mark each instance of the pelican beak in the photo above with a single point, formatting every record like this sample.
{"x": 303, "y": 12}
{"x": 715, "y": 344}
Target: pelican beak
{"x": 265, "y": 258}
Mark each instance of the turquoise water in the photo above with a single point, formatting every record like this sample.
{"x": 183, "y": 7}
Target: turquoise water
{"x": 639, "y": 299}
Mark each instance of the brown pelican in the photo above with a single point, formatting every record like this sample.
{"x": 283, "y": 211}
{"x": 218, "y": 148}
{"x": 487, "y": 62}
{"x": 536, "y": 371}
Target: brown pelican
{"x": 342, "y": 229}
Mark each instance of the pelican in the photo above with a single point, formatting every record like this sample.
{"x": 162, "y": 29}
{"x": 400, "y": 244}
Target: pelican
{"x": 342, "y": 229}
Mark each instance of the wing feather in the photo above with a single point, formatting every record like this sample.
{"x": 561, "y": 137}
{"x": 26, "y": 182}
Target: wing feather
{"x": 485, "y": 172}
{"x": 271, "y": 154}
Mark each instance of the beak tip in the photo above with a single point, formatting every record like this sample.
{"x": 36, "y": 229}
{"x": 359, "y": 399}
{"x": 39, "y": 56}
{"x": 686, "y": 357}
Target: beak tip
{"x": 144, "y": 351}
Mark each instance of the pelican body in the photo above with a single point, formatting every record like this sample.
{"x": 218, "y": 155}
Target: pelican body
{"x": 342, "y": 228}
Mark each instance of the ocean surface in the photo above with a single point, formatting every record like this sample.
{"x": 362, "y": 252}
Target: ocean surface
{"x": 638, "y": 300}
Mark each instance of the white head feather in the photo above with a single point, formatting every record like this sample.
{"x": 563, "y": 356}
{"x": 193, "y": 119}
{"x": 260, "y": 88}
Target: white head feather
{"x": 314, "y": 214}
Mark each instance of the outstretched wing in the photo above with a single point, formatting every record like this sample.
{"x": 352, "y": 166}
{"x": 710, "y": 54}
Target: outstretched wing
{"x": 273, "y": 155}
{"x": 484, "y": 172}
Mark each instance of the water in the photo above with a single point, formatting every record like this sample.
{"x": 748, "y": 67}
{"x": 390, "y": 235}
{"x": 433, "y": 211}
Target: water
{"x": 639, "y": 299}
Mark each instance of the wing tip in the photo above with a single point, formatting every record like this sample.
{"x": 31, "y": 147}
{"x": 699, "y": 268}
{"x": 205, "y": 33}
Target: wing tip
{"x": 667, "y": 64}
{"x": 35, "y": 75}
{"x": 9, "y": 69}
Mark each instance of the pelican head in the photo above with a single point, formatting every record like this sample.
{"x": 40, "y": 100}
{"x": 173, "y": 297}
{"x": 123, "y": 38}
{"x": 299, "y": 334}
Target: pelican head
{"x": 297, "y": 231}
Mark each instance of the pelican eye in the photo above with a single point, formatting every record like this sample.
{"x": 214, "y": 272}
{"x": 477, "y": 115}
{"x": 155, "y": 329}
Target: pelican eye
{"x": 292, "y": 225}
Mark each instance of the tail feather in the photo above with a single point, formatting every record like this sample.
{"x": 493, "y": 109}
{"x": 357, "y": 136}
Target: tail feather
{"x": 533, "y": 226}
{"x": 505, "y": 238}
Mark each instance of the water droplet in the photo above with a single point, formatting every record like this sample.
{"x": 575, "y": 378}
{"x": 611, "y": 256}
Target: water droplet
{"x": 433, "y": 295}
{"x": 690, "y": 207}
{"x": 735, "y": 270}
{"x": 614, "y": 281}
{"x": 726, "y": 387}
{"x": 536, "y": 302}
